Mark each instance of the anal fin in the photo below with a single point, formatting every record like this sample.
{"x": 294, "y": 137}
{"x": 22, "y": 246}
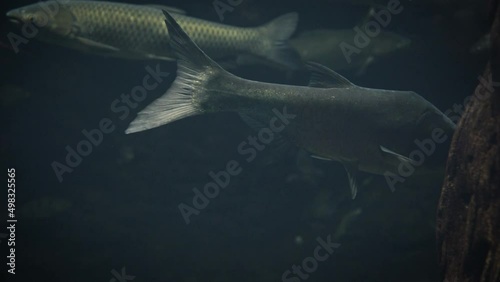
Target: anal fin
{"x": 352, "y": 172}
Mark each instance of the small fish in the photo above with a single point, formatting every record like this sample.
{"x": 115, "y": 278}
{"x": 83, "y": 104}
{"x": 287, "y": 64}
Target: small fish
{"x": 323, "y": 45}
{"x": 365, "y": 129}
{"x": 138, "y": 32}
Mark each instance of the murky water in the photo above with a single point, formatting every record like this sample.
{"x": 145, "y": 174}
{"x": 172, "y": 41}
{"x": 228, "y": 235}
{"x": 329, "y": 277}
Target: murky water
{"x": 95, "y": 204}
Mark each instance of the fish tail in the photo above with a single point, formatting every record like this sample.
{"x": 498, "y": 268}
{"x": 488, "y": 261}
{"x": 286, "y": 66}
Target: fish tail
{"x": 194, "y": 70}
{"x": 275, "y": 45}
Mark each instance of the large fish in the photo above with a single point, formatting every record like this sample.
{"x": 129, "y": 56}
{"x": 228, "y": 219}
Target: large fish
{"x": 139, "y": 32}
{"x": 371, "y": 130}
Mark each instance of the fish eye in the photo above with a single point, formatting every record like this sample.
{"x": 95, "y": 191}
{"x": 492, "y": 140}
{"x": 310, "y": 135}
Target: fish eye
{"x": 38, "y": 19}
{"x": 31, "y": 18}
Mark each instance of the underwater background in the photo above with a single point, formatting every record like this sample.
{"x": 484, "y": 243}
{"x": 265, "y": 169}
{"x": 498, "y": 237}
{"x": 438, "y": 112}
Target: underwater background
{"x": 117, "y": 211}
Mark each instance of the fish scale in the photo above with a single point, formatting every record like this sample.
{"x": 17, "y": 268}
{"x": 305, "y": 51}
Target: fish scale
{"x": 138, "y": 32}
{"x": 142, "y": 28}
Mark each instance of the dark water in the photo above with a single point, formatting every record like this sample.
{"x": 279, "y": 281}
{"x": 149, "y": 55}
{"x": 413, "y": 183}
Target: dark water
{"x": 118, "y": 209}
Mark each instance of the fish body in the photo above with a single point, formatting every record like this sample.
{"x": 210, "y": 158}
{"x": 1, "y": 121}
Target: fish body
{"x": 139, "y": 32}
{"x": 346, "y": 124}
{"x": 324, "y": 45}
{"x": 371, "y": 130}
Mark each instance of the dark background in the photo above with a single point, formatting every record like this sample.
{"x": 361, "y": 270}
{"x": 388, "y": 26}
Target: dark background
{"x": 119, "y": 207}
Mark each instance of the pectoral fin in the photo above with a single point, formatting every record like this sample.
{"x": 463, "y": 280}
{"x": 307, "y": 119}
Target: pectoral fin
{"x": 97, "y": 45}
{"x": 394, "y": 157}
{"x": 320, "y": 158}
{"x": 105, "y": 49}
{"x": 156, "y": 57}
{"x": 352, "y": 172}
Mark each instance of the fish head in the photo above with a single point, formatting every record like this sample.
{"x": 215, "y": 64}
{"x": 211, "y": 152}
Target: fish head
{"x": 432, "y": 118}
{"x": 47, "y": 21}
{"x": 28, "y": 14}
{"x": 388, "y": 42}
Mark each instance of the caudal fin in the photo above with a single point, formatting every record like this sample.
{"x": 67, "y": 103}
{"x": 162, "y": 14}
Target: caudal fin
{"x": 275, "y": 45}
{"x": 194, "y": 69}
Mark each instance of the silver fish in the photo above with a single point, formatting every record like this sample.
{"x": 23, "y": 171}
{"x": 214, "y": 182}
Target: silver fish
{"x": 138, "y": 31}
{"x": 365, "y": 129}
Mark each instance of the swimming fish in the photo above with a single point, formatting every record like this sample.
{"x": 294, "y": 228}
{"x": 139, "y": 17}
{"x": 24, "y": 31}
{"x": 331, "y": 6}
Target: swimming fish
{"x": 138, "y": 31}
{"x": 365, "y": 129}
{"x": 323, "y": 45}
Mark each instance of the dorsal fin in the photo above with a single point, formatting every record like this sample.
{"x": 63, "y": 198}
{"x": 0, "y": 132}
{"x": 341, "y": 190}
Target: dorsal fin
{"x": 189, "y": 55}
{"x": 323, "y": 77}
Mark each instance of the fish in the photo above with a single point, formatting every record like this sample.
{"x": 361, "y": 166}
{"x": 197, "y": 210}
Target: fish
{"x": 138, "y": 32}
{"x": 370, "y": 130}
{"x": 323, "y": 45}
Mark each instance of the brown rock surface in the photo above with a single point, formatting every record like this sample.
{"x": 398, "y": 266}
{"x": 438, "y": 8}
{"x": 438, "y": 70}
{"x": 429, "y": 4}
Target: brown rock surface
{"x": 468, "y": 230}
